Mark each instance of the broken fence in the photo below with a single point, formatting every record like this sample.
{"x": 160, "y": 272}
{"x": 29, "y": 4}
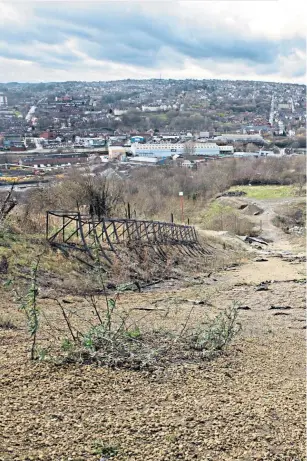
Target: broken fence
{"x": 74, "y": 231}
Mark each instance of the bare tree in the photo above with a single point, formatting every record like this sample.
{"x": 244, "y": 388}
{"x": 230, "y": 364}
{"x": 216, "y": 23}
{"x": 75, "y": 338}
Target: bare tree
{"x": 7, "y": 205}
{"x": 250, "y": 147}
{"x": 189, "y": 148}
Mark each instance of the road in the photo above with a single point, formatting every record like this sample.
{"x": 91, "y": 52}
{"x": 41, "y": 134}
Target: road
{"x": 271, "y": 117}
{"x": 30, "y": 113}
{"x": 32, "y": 110}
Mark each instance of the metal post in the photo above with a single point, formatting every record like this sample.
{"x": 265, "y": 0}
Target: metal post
{"x": 181, "y": 206}
{"x": 172, "y": 218}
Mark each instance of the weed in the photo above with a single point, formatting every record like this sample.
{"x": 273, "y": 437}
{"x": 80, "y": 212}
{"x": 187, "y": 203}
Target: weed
{"x": 214, "y": 335}
{"x": 103, "y": 449}
{"x": 67, "y": 345}
{"x": 134, "y": 333}
{"x": 28, "y": 305}
{"x": 41, "y": 353}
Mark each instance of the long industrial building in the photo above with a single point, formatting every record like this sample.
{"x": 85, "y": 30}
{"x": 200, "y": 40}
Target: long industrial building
{"x": 170, "y": 149}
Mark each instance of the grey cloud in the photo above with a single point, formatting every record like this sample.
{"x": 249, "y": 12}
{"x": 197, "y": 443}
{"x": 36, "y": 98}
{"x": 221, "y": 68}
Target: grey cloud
{"x": 123, "y": 33}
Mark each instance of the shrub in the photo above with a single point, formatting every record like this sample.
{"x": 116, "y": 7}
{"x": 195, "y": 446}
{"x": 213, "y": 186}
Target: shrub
{"x": 214, "y": 335}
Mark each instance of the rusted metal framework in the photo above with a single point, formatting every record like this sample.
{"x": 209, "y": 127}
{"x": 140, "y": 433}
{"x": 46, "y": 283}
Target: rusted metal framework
{"x": 72, "y": 230}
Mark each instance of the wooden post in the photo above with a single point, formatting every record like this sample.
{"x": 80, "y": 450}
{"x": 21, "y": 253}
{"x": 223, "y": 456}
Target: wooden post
{"x": 172, "y": 218}
{"x": 128, "y": 210}
{"x": 47, "y": 226}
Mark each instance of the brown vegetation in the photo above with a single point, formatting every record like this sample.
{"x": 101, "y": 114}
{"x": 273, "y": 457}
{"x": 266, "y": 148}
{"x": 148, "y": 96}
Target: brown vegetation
{"x": 152, "y": 193}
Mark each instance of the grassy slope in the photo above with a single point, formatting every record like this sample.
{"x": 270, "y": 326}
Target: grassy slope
{"x": 266, "y": 192}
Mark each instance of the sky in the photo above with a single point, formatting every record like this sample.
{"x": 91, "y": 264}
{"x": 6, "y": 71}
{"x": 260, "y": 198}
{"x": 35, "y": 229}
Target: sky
{"x": 101, "y": 40}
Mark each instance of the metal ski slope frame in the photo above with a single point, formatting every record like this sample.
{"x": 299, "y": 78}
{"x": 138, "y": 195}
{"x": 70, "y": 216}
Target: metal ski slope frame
{"x": 75, "y": 231}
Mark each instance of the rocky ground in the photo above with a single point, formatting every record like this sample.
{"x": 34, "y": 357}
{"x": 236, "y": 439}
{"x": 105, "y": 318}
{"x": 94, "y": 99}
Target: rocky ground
{"x": 247, "y": 405}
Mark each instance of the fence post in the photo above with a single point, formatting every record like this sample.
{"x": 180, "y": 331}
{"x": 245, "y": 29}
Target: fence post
{"x": 47, "y": 225}
{"x": 129, "y": 212}
{"x": 172, "y": 218}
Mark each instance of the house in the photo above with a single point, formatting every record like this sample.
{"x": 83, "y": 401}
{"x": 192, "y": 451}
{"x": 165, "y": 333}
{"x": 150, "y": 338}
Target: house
{"x": 118, "y": 112}
{"x": 90, "y": 142}
{"x": 48, "y": 135}
{"x": 14, "y": 142}
{"x": 256, "y": 138}
{"x": 150, "y": 108}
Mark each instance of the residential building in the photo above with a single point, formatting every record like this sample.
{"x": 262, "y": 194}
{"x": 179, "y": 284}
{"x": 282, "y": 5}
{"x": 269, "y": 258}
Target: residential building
{"x": 240, "y": 138}
{"x": 118, "y": 112}
{"x": 90, "y": 142}
{"x": 150, "y": 108}
{"x": 287, "y": 106}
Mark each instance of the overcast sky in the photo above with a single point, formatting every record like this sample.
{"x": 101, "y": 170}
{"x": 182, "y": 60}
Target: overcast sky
{"x": 112, "y": 40}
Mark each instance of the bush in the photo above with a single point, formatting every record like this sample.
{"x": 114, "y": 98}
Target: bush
{"x": 123, "y": 347}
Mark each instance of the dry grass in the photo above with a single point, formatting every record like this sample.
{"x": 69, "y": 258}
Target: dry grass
{"x": 220, "y": 217}
{"x": 290, "y": 215}
{"x": 267, "y": 192}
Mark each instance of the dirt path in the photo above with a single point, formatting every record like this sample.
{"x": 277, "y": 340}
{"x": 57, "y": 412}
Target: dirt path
{"x": 279, "y": 240}
{"x": 280, "y": 244}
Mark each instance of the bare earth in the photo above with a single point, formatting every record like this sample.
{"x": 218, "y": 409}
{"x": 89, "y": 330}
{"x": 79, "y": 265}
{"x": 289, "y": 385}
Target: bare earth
{"x": 246, "y": 405}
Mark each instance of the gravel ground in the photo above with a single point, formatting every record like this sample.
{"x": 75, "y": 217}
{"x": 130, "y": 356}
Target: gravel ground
{"x": 246, "y": 405}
